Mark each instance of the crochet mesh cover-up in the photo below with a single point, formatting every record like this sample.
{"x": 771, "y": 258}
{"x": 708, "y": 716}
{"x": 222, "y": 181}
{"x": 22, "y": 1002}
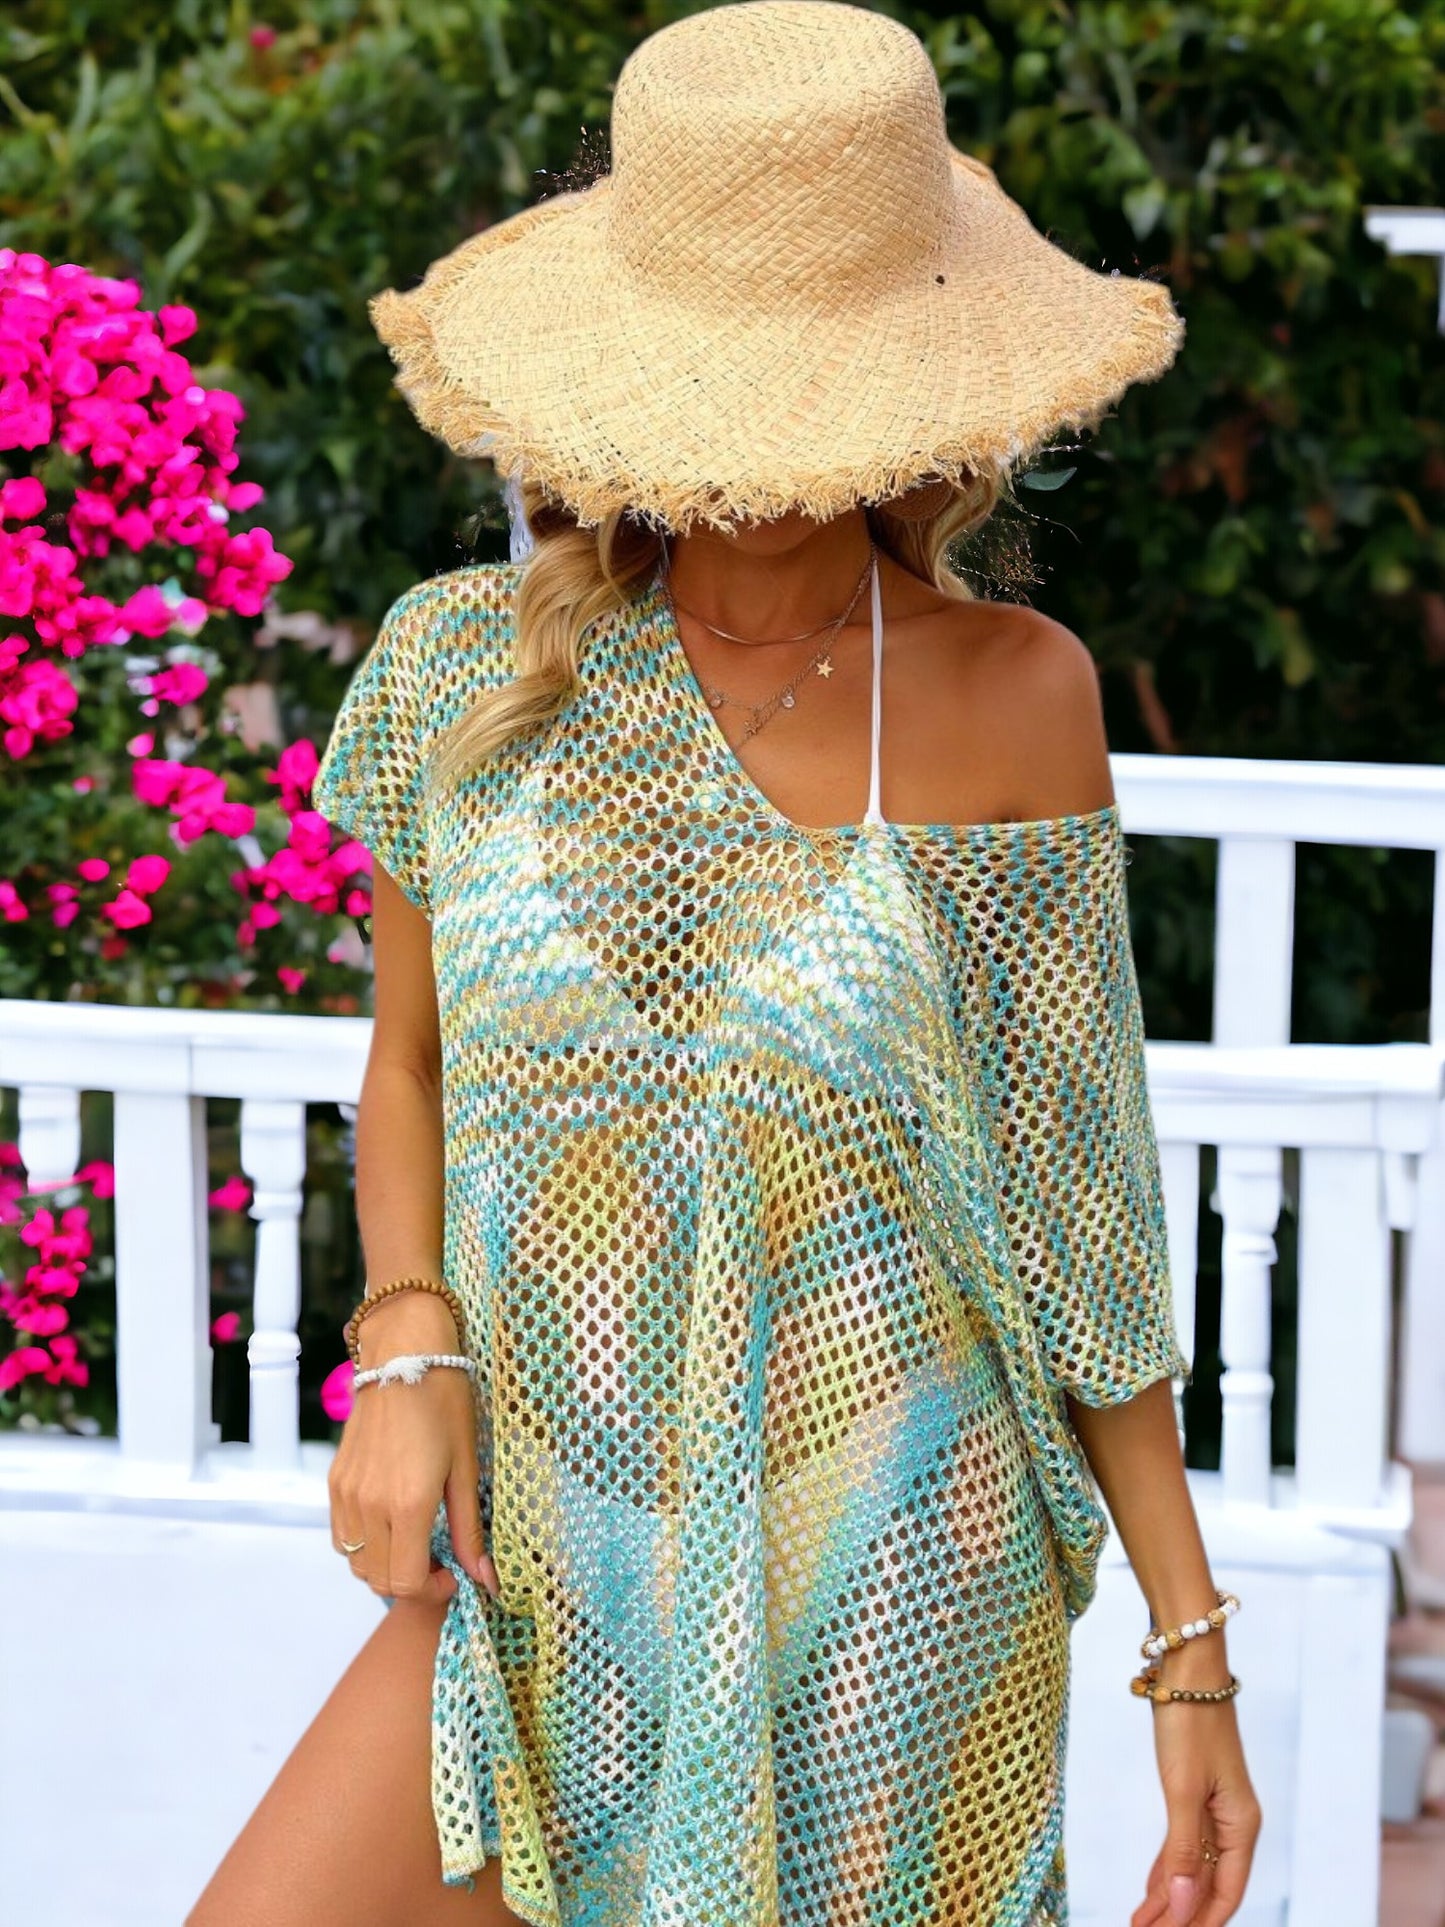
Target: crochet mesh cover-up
{"x": 793, "y": 1175}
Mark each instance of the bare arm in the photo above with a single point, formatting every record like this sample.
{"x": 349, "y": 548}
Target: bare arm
{"x": 406, "y": 1448}
{"x": 1133, "y": 1451}
{"x": 1056, "y": 732}
{"x": 399, "y": 1159}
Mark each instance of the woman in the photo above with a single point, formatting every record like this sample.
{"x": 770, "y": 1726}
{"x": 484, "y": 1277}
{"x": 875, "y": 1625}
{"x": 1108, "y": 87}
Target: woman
{"x": 758, "y": 1181}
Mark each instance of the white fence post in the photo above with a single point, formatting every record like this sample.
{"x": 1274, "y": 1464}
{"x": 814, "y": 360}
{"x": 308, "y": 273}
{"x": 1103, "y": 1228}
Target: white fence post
{"x": 162, "y": 1287}
{"x": 1254, "y": 939}
{"x": 273, "y": 1156}
{"x": 1342, "y": 1397}
{"x": 1249, "y": 1201}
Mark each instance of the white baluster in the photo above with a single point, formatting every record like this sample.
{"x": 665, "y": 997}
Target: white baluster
{"x": 1249, "y": 1195}
{"x": 273, "y": 1156}
{"x": 162, "y": 1287}
{"x": 1344, "y": 1328}
{"x": 1179, "y": 1170}
{"x": 49, "y": 1133}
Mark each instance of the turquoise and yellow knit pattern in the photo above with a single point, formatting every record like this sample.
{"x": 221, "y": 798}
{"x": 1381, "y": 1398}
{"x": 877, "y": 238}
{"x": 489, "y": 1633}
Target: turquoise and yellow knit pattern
{"x": 793, "y": 1176}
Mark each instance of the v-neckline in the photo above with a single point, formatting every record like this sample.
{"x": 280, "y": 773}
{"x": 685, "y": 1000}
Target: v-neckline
{"x": 684, "y": 678}
{"x": 656, "y": 608}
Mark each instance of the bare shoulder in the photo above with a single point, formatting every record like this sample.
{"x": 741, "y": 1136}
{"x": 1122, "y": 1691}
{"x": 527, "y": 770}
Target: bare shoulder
{"x": 1039, "y": 682}
{"x": 1006, "y": 708}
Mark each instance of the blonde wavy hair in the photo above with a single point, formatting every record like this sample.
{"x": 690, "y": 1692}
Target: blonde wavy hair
{"x": 574, "y": 576}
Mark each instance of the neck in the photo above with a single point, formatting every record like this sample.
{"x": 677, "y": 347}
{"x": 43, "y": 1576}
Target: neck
{"x": 773, "y": 578}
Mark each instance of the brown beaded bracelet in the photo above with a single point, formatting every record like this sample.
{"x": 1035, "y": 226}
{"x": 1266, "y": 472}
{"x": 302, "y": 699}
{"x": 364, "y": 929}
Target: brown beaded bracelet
{"x": 374, "y": 1298}
{"x": 1145, "y": 1685}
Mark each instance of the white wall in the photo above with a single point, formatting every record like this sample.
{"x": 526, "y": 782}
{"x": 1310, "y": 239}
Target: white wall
{"x": 154, "y": 1674}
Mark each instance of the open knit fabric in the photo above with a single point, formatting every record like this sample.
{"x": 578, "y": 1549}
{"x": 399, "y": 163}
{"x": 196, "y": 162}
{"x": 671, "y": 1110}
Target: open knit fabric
{"x": 793, "y": 1176}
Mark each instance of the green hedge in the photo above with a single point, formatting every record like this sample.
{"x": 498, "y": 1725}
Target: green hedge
{"x": 1253, "y": 547}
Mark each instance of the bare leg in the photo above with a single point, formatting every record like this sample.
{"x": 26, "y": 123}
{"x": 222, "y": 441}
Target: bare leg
{"x": 344, "y": 1836}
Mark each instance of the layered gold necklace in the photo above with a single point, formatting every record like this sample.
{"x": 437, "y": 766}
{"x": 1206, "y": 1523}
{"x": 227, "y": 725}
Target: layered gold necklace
{"x": 786, "y": 697}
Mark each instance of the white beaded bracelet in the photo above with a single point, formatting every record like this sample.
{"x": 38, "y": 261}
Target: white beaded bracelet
{"x": 410, "y": 1367}
{"x": 1158, "y": 1643}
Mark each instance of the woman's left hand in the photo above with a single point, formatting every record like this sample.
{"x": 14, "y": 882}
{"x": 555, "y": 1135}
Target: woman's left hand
{"x": 1208, "y": 1796}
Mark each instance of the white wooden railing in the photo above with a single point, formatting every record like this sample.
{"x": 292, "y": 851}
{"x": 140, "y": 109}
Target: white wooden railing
{"x": 1348, "y": 1137}
{"x": 1258, "y": 812}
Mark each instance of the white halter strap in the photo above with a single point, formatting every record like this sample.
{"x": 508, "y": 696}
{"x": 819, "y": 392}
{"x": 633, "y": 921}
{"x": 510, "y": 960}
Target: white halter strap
{"x": 875, "y": 810}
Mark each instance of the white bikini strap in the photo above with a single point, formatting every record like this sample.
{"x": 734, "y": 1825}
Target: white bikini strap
{"x": 875, "y": 807}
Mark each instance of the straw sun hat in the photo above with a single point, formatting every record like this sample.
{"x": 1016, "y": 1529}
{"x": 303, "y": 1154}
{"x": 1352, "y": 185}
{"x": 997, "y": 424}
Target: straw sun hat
{"x": 791, "y": 291}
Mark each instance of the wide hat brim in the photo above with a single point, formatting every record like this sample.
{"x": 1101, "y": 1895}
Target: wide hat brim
{"x": 532, "y": 346}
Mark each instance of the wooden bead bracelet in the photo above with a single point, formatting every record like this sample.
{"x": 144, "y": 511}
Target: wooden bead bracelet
{"x": 374, "y": 1298}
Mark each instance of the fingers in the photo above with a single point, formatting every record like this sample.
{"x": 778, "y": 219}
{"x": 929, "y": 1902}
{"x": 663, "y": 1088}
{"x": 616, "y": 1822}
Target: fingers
{"x": 1179, "y": 1880}
{"x": 464, "y": 1517}
{"x": 360, "y": 1523}
{"x": 1235, "y": 1838}
{"x": 1154, "y": 1907}
{"x": 1230, "y": 1877}
{"x": 1185, "y": 1890}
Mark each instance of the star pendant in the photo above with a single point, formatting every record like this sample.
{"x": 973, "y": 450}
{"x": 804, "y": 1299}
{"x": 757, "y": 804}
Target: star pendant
{"x": 825, "y": 666}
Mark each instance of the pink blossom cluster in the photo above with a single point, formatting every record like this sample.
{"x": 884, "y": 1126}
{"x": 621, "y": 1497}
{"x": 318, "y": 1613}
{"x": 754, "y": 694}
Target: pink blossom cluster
{"x": 306, "y": 869}
{"x": 84, "y": 367}
{"x": 61, "y": 1245}
{"x": 87, "y": 371}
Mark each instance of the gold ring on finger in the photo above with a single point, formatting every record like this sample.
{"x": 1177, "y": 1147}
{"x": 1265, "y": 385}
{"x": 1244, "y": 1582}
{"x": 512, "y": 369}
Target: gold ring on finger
{"x": 1211, "y": 1852}
{"x": 351, "y": 1548}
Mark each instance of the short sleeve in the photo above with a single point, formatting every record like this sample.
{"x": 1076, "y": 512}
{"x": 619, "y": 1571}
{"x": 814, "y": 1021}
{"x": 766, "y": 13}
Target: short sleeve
{"x": 371, "y": 777}
{"x": 1072, "y": 1139}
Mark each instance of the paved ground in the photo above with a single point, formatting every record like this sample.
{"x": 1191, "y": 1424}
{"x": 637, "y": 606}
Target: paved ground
{"x": 1413, "y": 1865}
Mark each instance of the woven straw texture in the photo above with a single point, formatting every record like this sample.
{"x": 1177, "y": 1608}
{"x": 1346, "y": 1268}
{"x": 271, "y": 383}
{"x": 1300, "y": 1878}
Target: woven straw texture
{"x": 791, "y": 1176}
{"x": 791, "y": 291}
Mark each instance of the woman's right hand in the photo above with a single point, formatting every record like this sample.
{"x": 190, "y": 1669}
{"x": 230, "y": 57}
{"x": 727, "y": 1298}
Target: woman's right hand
{"x": 405, "y": 1449}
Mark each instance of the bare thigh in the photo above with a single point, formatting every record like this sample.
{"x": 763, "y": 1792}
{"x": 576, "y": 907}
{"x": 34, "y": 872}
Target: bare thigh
{"x": 345, "y": 1836}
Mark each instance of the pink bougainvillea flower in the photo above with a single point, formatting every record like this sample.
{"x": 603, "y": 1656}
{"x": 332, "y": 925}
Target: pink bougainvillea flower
{"x": 22, "y": 499}
{"x": 36, "y": 704}
{"x": 141, "y": 745}
{"x": 24, "y": 1362}
{"x": 66, "y": 1365}
{"x": 56, "y": 1281}
{"x": 66, "y": 1239}
{"x": 127, "y": 911}
{"x": 178, "y": 324}
{"x": 39, "y": 1319}
{"x": 147, "y": 873}
{"x": 197, "y": 796}
{"x": 233, "y": 1195}
{"x": 12, "y": 910}
{"x": 94, "y": 869}
{"x": 295, "y": 772}
{"x": 226, "y": 1329}
{"x": 99, "y": 1174}
{"x": 242, "y": 571}
{"x": 64, "y": 903}
{"x": 180, "y": 682}
{"x": 291, "y": 979}
{"x": 147, "y": 612}
{"x": 337, "y": 1395}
